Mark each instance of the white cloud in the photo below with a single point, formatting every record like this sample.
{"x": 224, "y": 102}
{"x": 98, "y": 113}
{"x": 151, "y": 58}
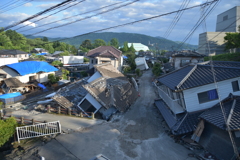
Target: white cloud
{"x": 28, "y": 4}
{"x": 28, "y": 23}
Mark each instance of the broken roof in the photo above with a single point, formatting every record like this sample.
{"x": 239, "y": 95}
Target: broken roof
{"x": 231, "y": 108}
{"x": 113, "y": 89}
{"x": 70, "y": 95}
{"x": 197, "y": 75}
{"x": 14, "y": 82}
{"x": 105, "y": 51}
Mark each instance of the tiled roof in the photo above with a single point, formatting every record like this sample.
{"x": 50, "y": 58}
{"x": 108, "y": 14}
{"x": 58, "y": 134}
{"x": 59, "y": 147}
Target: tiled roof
{"x": 112, "y": 89}
{"x": 231, "y": 108}
{"x": 105, "y": 51}
{"x": 11, "y": 52}
{"x": 166, "y": 113}
{"x": 197, "y": 75}
{"x": 223, "y": 63}
{"x": 186, "y": 124}
{"x": 188, "y": 54}
{"x": 71, "y": 95}
{"x": 14, "y": 82}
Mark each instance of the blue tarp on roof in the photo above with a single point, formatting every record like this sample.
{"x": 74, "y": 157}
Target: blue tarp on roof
{"x": 41, "y": 85}
{"x": 41, "y": 54}
{"x": 28, "y": 67}
{"x": 10, "y": 95}
{"x": 125, "y": 57}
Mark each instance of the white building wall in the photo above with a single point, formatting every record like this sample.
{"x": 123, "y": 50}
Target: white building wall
{"x": 92, "y": 100}
{"x": 25, "y": 78}
{"x": 191, "y": 95}
{"x": 96, "y": 75}
{"x": 43, "y": 77}
{"x": 72, "y": 59}
{"x": 5, "y": 61}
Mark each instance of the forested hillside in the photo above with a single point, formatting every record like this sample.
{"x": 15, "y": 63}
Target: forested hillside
{"x": 160, "y": 43}
{"x": 12, "y": 40}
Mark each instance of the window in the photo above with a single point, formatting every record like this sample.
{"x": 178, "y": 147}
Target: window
{"x": 235, "y": 86}
{"x": 225, "y": 18}
{"x": 207, "y": 96}
{"x": 92, "y": 61}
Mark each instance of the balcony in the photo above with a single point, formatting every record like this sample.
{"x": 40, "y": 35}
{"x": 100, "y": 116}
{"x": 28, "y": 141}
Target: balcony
{"x": 172, "y": 103}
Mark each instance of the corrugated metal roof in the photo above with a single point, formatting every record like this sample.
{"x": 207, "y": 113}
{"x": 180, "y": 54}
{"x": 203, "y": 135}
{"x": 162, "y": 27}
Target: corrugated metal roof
{"x": 198, "y": 75}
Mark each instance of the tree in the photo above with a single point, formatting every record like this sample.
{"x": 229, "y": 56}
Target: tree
{"x": 57, "y": 63}
{"x": 232, "y": 40}
{"x": 131, "y": 49}
{"x": 99, "y": 42}
{"x": 86, "y": 44}
{"x": 65, "y": 73}
{"x": 65, "y": 53}
{"x": 7, "y": 129}
{"x": 5, "y": 42}
{"x": 114, "y": 42}
{"x": 53, "y": 79}
{"x": 157, "y": 69}
{"x": 49, "y": 47}
{"x": 125, "y": 47}
{"x": 131, "y": 60}
{"x": 86, "y": 59}
{"x": 45, "y": 39}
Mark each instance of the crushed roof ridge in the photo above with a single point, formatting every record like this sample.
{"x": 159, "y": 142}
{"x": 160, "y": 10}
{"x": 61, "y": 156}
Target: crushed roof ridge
{"x": 186, "y": 77}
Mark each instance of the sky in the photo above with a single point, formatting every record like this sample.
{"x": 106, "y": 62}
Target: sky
{"x": 13, "y": 11}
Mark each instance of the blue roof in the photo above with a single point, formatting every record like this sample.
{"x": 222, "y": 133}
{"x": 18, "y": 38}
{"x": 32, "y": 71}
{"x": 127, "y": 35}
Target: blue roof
{"x": 28, "y": 67}
{"x": 10, "y": 95}
{"x": 41, "y": 54}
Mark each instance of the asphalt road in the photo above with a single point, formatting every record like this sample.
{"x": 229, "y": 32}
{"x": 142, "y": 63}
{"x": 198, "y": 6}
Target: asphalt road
{"x": 138, "y": 134}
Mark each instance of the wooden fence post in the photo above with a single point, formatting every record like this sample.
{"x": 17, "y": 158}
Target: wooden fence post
{"x": 48, "y": 109}
{"x": 22, "y": 120}
{"x": 59, "y": 110}
{"x": 93, "y": 115}
{"x": 69, "y": 111}
{"x": 33, "y": 122}
{"x": 81, "y": 114}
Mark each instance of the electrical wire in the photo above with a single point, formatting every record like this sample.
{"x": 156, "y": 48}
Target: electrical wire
{"x": 51, "y": 14}
{"x": 15, "y": 6}
{"x": 201, "y": 19}
{"x": 38, "y": 14}
{"x": 72, "y": 16}
{"x": 112, "y": 9}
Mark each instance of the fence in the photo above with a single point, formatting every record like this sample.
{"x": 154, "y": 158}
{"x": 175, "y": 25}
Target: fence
{"x": 69, "y": 111}
{"x": 38, "y": 130}
{"x": 22, "y": 120}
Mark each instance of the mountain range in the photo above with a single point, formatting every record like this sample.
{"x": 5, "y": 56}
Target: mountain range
{"x": 157, "y": 42}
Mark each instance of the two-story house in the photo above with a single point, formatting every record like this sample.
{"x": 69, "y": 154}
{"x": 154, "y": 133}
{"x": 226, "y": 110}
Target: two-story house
{"x": 186, "y": 92}
{"x": 186, "y": 57}
{"x": 13, "y": 53}
{"x": 105, "y": 54}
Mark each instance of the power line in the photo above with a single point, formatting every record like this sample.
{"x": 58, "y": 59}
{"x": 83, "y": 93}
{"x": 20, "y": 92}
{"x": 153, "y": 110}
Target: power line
{"x": 145, "y": 19}
{"x": 201, "y": 19}
{"x": 176, "y": 19}
{"x": 73, "y": 16}
{"x": 20, "y": 4}
{"x": 84, "y": 18}
{"x": 40, "y": 13}
{"x": 51, "y": 14}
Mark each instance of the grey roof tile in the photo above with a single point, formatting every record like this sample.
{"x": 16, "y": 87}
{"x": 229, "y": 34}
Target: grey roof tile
{"x": 166, "y": 113}
{"x": 105, "y": 51}
{"x": 11, "y": 52}
{"x": 190, "y": 77}
{"x": 214, "y": 115}
{"x": 186, "y": 124}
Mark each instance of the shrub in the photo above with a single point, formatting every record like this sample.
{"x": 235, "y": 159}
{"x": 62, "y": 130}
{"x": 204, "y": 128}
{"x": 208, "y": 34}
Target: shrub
{"x": 7, "y": 129}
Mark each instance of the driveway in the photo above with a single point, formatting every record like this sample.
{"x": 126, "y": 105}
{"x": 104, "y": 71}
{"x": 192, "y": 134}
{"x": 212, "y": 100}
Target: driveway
{"x": 138, "y": 134}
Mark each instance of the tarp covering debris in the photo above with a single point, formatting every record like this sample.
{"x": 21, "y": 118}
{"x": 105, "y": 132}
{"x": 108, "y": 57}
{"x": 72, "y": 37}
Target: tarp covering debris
{"x": 28, "y": 67}
{"x": 10, "y": 95}
{"x": 41, "y": 85}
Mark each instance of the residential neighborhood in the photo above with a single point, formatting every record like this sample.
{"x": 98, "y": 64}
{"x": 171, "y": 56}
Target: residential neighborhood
{"x": 121, "y": 95}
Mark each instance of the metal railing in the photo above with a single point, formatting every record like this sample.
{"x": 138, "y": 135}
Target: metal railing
{"x": 38, "y": 130}
{"x": 172, "y": 104}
